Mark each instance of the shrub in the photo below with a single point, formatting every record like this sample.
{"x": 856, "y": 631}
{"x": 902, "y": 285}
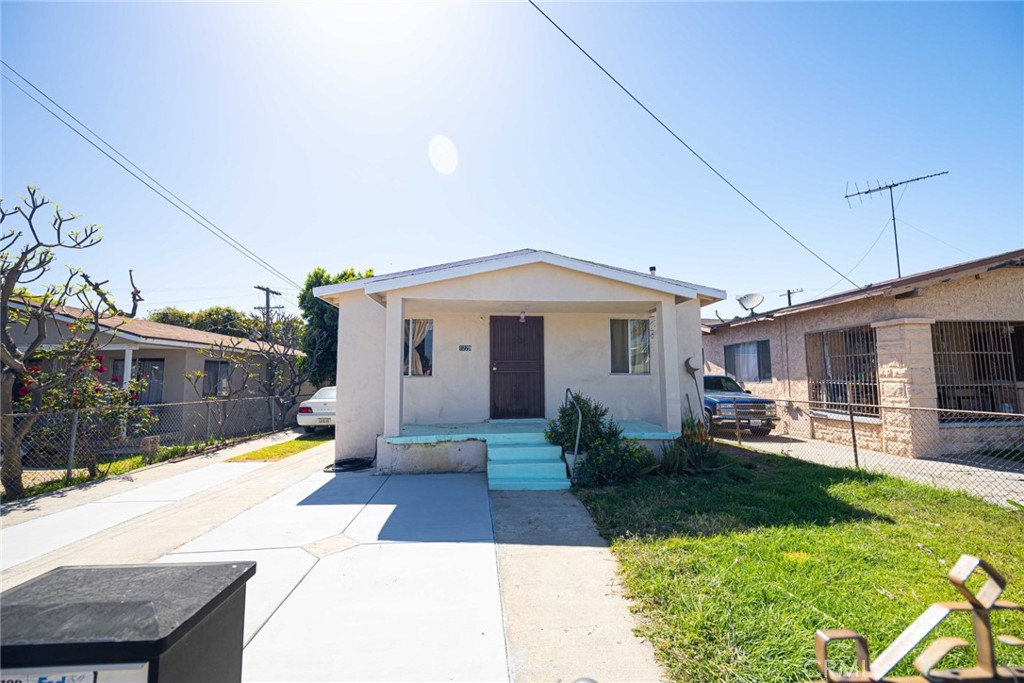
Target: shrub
{"x": 693, "y": 452}
{"x": 597, "y": 426}
{"x": 612, "y": 462}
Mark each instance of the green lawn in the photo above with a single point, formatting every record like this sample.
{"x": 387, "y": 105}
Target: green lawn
{"x": 731, "y": 573}
{"x": 282, "y": 450}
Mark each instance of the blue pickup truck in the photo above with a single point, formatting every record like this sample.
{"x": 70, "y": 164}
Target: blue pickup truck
{"x": 725, "y": 401}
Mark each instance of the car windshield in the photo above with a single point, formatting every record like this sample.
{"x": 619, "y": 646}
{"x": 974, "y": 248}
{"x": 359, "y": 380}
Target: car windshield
{"x": 721, "y": 384}
{"x": 326, "y": 392}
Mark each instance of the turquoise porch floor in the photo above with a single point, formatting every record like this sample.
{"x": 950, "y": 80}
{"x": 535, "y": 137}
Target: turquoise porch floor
{"x": 511, "y": 431}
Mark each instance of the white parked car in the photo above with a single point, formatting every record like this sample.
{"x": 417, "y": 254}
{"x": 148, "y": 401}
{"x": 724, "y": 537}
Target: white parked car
{"x": 318, "y": 411}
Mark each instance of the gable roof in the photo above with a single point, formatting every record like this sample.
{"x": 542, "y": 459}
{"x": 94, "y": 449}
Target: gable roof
{"x": 895, "y": 287}
{"x": 485, "y": 264}
{"x": 134, "y": 330}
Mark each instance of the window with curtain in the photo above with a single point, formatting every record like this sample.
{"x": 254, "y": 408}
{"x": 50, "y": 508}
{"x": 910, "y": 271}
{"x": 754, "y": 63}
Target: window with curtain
{"x": 418, "y": 348}
{"x": 150, "y": 370}
{"x": 750, "y": 361}
{"x": 216, "y": 378}
{"x": 631, "y": 347}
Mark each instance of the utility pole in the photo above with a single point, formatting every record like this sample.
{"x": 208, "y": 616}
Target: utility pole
{"x": 892, "y": 204}
{"x": 266, "y": 309}
{"x": 789, "y": 295}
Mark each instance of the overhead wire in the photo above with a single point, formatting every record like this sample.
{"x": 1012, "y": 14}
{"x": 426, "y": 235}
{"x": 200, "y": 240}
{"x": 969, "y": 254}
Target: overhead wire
{"x": 689, "y": 148}
{"x": 204, "y": 223}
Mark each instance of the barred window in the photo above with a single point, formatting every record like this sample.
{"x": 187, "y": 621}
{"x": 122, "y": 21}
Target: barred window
{"x": 975, "y": 367}
{"x": 842, "y": 368}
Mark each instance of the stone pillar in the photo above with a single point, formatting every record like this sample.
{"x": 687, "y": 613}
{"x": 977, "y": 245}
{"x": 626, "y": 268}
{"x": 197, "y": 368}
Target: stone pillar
{"x": 393, "y": 344}
{"x": 667, "y": 340}
{"x": 906, "y": 379}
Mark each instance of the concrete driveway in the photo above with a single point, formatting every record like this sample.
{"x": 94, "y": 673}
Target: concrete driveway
{"x": 365, "y": 578}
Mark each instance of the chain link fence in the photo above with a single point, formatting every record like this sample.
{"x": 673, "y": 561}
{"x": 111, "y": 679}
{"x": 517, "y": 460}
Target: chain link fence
{"x": 981, "y": 453}
{"x": 67, "y": 447}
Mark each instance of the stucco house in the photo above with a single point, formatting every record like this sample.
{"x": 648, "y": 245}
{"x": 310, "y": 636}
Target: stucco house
{"x": 165, "y": 356}
{"x": 456, "y": 367}
{"x": 906, "y": 353}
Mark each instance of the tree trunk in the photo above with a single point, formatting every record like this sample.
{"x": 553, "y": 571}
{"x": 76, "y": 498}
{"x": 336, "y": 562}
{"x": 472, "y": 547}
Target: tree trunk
{"x": 10, "y": 442}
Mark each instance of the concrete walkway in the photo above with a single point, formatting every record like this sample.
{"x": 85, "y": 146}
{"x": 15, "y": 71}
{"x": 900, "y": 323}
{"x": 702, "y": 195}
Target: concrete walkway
{"x": 565, "y": 616}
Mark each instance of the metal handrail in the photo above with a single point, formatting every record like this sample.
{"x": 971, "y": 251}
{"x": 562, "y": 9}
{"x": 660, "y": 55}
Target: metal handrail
{"x": 570, "y": 398}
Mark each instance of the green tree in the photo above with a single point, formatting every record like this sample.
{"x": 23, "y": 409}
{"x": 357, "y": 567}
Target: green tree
{"x": 171, "y": 316}
{"x": 28, "y": 253}
{"x": 320, "y": 342}
{"x": 218, "y": 319}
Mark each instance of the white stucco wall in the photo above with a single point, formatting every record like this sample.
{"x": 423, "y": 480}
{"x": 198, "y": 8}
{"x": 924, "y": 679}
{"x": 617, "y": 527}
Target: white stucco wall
{"x": 360, "y": 376}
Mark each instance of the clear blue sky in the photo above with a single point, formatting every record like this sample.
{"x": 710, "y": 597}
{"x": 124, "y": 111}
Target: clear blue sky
{"x": 302, "y": 129}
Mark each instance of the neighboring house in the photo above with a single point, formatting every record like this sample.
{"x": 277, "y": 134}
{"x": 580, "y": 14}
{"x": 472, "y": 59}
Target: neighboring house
{"x": 499, "y": 339}
{"x": 947, "y": 339}
{"x": 164, "y": 355}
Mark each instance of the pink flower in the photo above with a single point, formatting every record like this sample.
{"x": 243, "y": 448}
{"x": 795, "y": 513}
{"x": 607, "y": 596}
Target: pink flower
{"x": 22, "y": 390}
{"x": 100, "y": 358}
{"x": 98, "y": 388}
{"x": 34, "y": 368}
{"x": 135, "y": 397}
{"x": 115, "y": 378}
{"x": 74, "y": 392}
{"x": 101, "y": 368}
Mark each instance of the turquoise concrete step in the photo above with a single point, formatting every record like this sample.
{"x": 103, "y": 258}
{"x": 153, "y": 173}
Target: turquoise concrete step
{"x": 515, "y": 438}
{"x": 525, "y": 469}
{"x": 528, "y": 484}
{"x": 523, "y": 451}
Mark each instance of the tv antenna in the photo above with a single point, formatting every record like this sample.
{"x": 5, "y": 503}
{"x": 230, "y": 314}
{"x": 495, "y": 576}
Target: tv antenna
{"x": 750, "y": 301}
{"x": 879, "y": 188}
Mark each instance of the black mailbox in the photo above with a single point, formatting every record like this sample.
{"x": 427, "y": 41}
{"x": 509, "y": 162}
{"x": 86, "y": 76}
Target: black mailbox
{"x": 153, "y": 623}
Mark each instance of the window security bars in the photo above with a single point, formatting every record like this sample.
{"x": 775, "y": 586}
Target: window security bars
{"x": 842, "y": 369}
{"x": 975, "y": 367}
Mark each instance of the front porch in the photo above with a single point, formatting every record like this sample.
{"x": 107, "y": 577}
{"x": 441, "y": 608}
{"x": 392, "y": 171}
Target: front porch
{"x": 511, "y": 431}
{"x": 514, "y": 453}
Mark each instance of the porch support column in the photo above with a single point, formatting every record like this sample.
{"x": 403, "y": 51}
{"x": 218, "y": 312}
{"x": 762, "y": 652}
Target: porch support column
{"x": 394, "y": 317}
{"x": 126, "y": 371}
{"x": 667, "y": 338}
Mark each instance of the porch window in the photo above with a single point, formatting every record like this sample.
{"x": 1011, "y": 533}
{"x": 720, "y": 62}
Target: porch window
{"x": 418, "y": 348}
{"x": 976, "y": 366}
{"x": 842, "y": 368}
{"x": 631, "y": 347}
{"x": 750, "y": 361}
{"x": 216, "y": 378}
{"x": 151, "y": 370}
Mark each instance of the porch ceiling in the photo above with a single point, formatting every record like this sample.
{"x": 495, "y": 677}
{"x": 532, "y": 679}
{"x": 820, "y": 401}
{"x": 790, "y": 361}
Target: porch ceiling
{"x": 530, "y": 307}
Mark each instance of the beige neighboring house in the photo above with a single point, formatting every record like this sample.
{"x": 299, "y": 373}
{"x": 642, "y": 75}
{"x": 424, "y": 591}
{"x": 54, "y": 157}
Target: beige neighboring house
{"x": 163, "y": 355}
{"x": 493, "y": 343}
{"x": 947, "y": 339}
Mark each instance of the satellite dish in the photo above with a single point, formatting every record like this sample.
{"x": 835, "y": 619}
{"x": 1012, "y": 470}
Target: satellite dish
{"x": 750, "y": 301}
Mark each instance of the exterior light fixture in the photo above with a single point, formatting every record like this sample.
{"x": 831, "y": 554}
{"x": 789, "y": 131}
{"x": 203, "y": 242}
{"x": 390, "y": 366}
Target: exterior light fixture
{"x": 522, "y": 316}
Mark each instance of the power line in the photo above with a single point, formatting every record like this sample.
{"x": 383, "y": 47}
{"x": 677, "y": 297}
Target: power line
{"x": 937, "y": 239}
{"x": 209, "y": 225}
{"x": 690, "y": 149}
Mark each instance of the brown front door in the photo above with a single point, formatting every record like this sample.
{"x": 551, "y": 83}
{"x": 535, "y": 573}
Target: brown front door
{"x": 517, "y": 367}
